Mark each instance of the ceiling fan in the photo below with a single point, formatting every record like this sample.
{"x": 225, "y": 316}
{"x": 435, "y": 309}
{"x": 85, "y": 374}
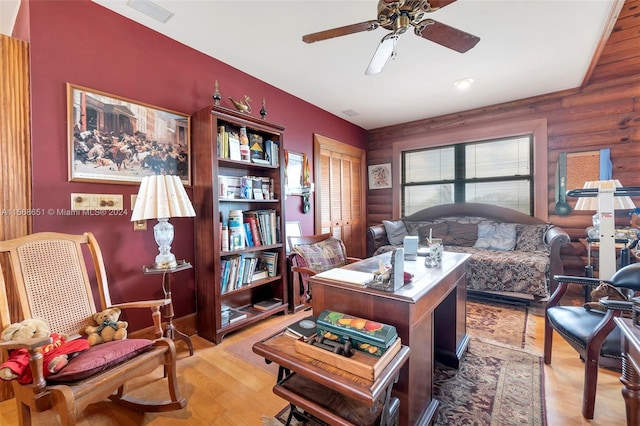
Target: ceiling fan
{"x": 397, "y": 16}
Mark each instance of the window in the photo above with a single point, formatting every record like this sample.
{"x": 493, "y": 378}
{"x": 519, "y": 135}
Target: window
{"x": 498, "y": 171}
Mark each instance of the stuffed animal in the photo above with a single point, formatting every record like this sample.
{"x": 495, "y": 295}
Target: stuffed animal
{"x": 55, "y": 354}
{"x": 604, "y": 290}
{"x": 108, "y": 328}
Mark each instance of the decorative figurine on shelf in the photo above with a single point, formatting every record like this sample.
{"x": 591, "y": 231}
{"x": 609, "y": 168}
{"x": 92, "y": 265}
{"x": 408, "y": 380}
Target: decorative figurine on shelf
{"x": 263, "y": 110}
{"x": 242, "y": 106}
{"x": 216, "y": 95}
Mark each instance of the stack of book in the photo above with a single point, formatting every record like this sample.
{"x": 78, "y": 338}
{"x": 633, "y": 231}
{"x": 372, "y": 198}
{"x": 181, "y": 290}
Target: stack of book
{"x": 268, "y": 304}
{"x": 231, "y": 315}
{"x": 304, "y": 329}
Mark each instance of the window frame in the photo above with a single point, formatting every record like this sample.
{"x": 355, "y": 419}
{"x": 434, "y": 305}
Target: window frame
{"x": 459, "y": 180}
{"x": 537, "y": 127}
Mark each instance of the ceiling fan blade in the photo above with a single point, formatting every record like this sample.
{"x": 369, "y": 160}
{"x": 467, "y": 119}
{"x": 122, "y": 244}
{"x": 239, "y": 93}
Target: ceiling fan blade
{"x": 340, "y": 31}
{"x": 439, "y": 4}
{"x": 446, "y": 36}
{"x": 382, "y": 54}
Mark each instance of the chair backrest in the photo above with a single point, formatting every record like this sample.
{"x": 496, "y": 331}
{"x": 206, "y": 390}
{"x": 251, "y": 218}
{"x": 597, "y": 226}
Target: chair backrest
{"x": 319, "y": 252}
{"x": 50, "y": 280}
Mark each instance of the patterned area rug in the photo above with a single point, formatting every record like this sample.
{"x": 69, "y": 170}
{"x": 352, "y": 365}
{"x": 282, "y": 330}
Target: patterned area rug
{"x": 498, "y": 383}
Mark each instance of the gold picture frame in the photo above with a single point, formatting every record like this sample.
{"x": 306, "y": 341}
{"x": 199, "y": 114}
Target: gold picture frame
{"x": 112, "y": 139}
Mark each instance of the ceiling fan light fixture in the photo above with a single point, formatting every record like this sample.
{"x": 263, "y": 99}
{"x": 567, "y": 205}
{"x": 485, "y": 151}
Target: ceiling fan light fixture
{"x": 463, "y": 84}
{"x": 383, "y": 53}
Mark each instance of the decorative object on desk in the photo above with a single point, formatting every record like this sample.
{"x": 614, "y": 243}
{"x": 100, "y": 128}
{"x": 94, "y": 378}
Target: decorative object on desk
{"x": 380, "y": 176}
{"x": 216, "y": 95}
{"x": 367, "y": 336}
{"x": 605, "y": 196}
{"x": 391, "y": 278}
{"x": 263, "y": 110}
{"x": 162, "y": 197}
{"x": 410, "y": 245}
{"x": 242, "y": 106}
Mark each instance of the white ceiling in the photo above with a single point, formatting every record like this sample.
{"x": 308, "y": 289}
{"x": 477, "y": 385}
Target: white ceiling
{"x": 526, "y": 48}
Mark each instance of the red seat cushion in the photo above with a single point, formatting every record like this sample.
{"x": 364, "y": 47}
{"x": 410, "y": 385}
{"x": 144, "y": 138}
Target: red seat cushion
{"x": 99, "y": 358}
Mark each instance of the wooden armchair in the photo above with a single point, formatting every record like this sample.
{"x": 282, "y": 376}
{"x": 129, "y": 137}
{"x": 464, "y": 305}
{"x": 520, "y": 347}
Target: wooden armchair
{"x": 592, "y": 333}
{"x": 49, "y": 280}
{"x": 310, "y": 255}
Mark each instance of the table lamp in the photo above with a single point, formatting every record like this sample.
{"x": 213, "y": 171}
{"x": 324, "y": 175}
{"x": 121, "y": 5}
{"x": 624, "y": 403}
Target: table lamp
{"x": 605, "y": 196}
{"x": 161, "y": 197}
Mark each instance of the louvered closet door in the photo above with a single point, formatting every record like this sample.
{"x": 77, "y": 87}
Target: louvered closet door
{"x": 339, "y": 197}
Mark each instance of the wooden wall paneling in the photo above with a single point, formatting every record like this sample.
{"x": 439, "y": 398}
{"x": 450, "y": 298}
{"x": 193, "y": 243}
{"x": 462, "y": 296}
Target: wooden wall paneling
{"x": 15, "y": 153}
{"x": 603, "y": 113}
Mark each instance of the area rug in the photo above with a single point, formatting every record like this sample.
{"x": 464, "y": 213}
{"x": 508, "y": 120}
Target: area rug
{"x": 498, "y": 383}
{"x": 498, "y": 323}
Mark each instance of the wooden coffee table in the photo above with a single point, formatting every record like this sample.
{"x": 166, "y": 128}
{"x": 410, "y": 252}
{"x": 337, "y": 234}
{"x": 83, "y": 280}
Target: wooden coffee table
{"x": 330, "y": 394}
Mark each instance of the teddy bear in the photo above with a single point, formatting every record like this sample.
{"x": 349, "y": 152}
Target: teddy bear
{"x": 55, "y": 354}
{"x": 108, "y": 327}
{"x": 604, "y": 290}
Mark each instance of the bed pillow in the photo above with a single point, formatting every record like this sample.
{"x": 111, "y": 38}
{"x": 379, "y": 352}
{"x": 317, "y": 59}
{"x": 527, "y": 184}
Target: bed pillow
{"x": 463, "y": 234}
{"x": 531, "y": 237}
{"x": 438, "y": 230}
{"x": 396, "y": 231}
{"x": 496, "y": 236}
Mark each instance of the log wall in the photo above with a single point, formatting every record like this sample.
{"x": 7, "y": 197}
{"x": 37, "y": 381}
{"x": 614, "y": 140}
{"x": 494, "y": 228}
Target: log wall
{"x": 603, "y": 113}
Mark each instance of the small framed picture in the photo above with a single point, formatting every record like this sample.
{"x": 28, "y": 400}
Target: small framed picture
{"x": 380, "y": 176}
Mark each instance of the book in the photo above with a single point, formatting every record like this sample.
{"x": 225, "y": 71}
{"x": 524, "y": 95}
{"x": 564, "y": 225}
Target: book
{"x": 268, "y": 304}
{"x": 259, "y": 275}
{"x": 236, "y": 315}
{"x": 256, "y": 146}
{"x": 234, "y": 146}
{"x": 305, "y": 328}
{"x": 270, "y": 259}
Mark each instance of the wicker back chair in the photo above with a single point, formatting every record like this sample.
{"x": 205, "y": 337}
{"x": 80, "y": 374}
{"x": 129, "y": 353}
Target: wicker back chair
{"x": 48, "y": 279}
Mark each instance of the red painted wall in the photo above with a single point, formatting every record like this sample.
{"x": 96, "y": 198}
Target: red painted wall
{"x": 85, "y": 44}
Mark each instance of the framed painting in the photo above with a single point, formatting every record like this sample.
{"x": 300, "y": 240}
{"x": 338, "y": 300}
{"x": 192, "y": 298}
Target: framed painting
{"x": 380, "y": 176}
{"x": 112, "y": 139}
{"x": 292, "y": 229}
{"x": 294, "y": 173}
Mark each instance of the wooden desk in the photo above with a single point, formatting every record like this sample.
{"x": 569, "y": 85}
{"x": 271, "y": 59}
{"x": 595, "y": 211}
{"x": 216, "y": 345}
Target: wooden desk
{"x": 429, "y": 315}
{"x": 630, "y": 369}
{"x": 281, "y": 350}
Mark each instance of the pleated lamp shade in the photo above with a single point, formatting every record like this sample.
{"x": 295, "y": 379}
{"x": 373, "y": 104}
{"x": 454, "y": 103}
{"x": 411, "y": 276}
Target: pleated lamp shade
{"x": 591, "y": 203}
{"x": 162, "y": 196}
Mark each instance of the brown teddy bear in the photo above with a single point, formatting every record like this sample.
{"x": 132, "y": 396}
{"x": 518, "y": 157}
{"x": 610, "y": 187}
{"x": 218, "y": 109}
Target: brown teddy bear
{"x": 55, "y": 354}
{"x": 108, "y": 328}
{"x": 604, "y": 290}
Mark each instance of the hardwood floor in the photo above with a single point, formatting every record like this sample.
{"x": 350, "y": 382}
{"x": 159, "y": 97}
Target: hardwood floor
{"x": 223, "y": 389}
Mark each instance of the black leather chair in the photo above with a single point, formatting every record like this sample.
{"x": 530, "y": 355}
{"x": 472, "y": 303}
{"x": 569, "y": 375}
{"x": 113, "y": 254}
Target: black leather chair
{"x": 593, "y": 334}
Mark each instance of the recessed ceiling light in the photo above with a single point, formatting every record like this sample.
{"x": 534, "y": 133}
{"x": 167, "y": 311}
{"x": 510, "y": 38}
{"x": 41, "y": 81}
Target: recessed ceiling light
{"x": 463, "y": 83}
{"x": 151, "y": 9}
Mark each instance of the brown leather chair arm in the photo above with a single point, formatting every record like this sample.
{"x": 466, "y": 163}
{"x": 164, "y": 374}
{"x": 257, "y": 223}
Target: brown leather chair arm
{"x": 353, "y": 259}
{"x": 376, "y": 238}
{"x": 555, "y": 238}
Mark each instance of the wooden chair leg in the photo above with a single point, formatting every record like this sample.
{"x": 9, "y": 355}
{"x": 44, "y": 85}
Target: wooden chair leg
{"x": 548, "y": 340}
{"x": 592, "y": 355}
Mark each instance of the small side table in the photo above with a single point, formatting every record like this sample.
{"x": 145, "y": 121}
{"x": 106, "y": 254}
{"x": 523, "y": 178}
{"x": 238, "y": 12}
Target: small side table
{"x": 170, "y": 331}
